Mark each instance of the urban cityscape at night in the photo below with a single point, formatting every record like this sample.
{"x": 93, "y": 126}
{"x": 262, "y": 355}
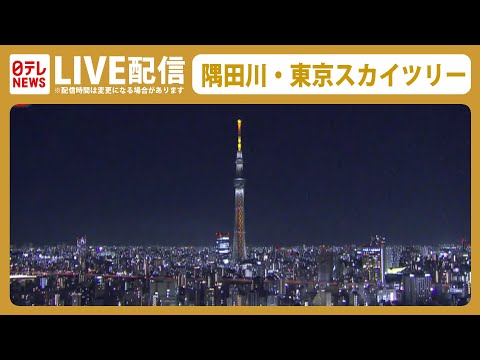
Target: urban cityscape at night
{"x": 371, "y": 275}
{"x": 229, "y": 267}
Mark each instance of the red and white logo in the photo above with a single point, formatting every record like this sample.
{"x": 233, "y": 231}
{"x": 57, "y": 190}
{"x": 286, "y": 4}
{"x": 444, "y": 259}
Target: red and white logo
{"x": 29, "y": 74}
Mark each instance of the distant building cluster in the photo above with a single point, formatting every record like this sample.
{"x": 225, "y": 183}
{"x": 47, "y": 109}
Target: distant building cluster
{"x": 372, "y": 274}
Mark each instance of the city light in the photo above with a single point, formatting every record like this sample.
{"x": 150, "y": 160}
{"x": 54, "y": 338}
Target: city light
{"x": 205, "y": 276}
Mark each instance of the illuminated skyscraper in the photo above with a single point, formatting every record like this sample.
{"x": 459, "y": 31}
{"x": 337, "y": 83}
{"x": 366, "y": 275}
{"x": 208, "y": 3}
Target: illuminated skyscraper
{"x": 417, "y": 289}
{"x": 81, "y": 256}
{"x": 239, "y": 248}
{"x": 373, "y": 259}
{"x": 223, "y": 246}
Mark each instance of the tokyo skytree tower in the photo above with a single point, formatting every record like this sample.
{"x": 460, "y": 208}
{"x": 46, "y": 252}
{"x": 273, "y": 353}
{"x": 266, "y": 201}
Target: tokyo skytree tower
{"x": 239, "y": 251}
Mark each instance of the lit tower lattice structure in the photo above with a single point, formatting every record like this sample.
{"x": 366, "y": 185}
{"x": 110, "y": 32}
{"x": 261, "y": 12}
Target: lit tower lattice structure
{"x": 239, "y": 251}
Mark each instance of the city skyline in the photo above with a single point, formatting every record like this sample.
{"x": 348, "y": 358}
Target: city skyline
{"x": 399, "y": 170}
{"x": 373, "y": 274}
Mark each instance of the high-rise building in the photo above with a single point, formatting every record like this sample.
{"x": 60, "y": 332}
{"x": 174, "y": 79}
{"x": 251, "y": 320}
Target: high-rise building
{"x": 417, "y": 289}
{"x": 239, "y": 248}
{"x": 383, "y": 269}
{"x": 386, "y": 296}
{"x": 222, "y": 246}
{"x": 81, "y": 253}
{"x": 253, "y": 298}
{"x": 325, "y": 266}
{"x": 354, "y": 298}
{"x": 392, "y": 257}
{"x": 155, "y": 299}
{"x": 165, "y": 291}
{"x": 272, "y": 300}
{"x": 76, "y": 299}
{"x": 323, "y": 298}
{"x": 373, "y": 260}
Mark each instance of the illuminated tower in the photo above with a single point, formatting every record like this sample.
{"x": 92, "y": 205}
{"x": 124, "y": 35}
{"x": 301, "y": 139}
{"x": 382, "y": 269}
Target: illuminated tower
{"x": 81, "y": 256}
{"x": 239, "y": 249}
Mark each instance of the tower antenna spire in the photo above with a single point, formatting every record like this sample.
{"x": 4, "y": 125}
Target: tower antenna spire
{"x": 239, "y": 136}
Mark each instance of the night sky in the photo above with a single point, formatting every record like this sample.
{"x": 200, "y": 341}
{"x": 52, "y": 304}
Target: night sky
{"x": 316, "y": 174}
